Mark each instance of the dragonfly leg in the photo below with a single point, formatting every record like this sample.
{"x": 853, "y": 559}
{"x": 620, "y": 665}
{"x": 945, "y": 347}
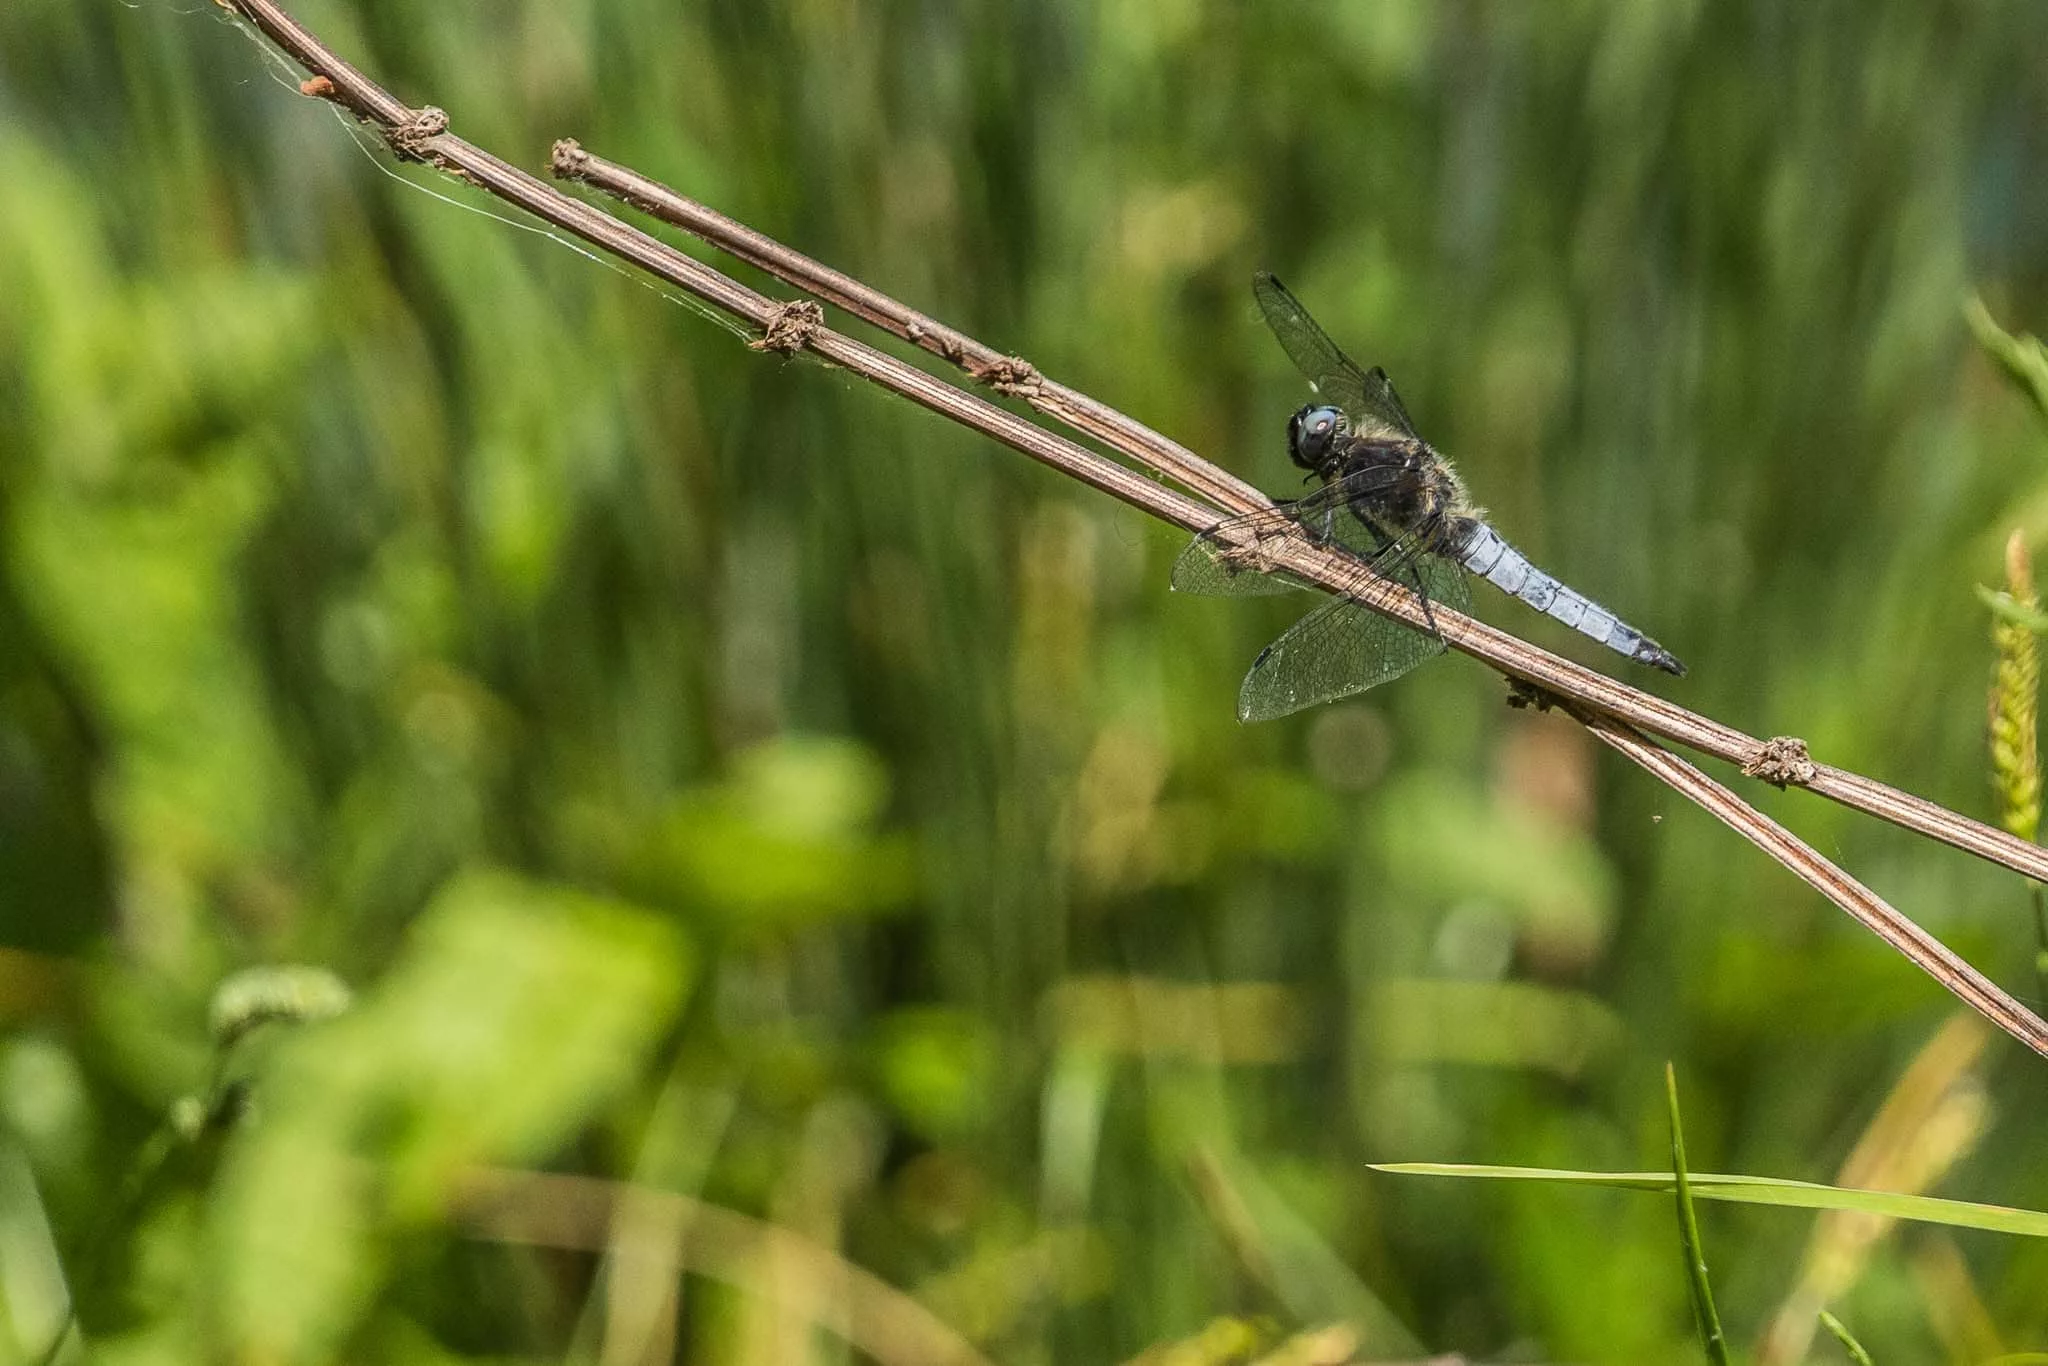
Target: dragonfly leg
{"x": 1406, "y": 574}
{"x": 1320, "y": 524}
{"x": 1421, "y": 593}
{"x": 1328, "y": 530}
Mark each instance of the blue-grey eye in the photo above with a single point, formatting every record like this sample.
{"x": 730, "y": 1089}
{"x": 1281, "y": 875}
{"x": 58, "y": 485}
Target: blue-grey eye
{"x": 1310, "y": 432}
{"x": 1318, "y": 426}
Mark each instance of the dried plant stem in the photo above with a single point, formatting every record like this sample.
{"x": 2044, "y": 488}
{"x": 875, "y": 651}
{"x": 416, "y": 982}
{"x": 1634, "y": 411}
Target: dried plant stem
{"x": 1626, "y": 712}
{"x": 1511, "y": 656}
{"x": 421, "y": 135}
{"x": 1008, "y": 374}
{"x": 1875, "y": 914}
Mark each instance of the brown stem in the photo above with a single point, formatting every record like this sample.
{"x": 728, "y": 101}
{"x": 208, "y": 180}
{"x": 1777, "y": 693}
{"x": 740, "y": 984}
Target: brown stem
{"x": 422, "y": 135}
{"x": 1934, "y": 957}
{"x": 1008, "y": 374}
{"x": 1510, "y": 655}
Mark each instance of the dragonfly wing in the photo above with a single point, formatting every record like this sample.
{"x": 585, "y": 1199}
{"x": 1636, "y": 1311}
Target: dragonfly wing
{"x": 1335, "y": 651}
{"x": 1342, "y": 648}
{"x": 1205, "y": 568}
{"x": 1442, "y": 581}
{"x": 1367, "y": 396}
{"x": 1215, "y": 563}
{"x": 1223, "y": 561}
{"x": 1410, "y": 560}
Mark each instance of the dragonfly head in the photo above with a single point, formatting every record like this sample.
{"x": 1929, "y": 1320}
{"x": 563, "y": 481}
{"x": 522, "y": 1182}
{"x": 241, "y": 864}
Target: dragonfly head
{"x": 1311, "y": 433}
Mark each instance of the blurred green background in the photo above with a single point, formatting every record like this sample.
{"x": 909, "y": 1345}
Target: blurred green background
{"x": 714, "y": 777}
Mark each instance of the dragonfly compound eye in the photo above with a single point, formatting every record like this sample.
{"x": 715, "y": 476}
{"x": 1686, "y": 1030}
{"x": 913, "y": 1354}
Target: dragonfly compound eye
{"x": 1310, "y": 435}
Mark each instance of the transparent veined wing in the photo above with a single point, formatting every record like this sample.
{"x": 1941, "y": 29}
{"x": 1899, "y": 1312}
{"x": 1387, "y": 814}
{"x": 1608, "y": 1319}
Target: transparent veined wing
{"x": 1214, "y": 563}
{"x": 1222, "y": 561}
{"x": 1342, "y": 648}
{"x": 1366, "y": 396}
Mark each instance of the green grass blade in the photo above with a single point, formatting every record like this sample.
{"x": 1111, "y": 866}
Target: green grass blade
{"x": 1847, "y": 1339}
{"x": 1761, "y": 1190}
{"x": 2005, "y": 609}
{"x": 2023, "y": 358}
{"x": 1709, "y": 1319}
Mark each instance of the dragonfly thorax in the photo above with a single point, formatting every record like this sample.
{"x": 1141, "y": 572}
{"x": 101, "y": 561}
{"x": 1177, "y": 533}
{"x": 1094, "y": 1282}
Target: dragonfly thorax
{"x": 1400, "y": 486}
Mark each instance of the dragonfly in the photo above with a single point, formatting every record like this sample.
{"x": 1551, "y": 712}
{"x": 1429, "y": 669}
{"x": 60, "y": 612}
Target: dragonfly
{"x": 1396, "y": 503}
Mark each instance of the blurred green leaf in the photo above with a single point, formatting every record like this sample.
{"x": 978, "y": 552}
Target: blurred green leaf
{"x": 811, "y": 785}
{"x": 293, "y": 1235}
{"x": 516, "y": 1009}
{"x": 349, "y": 539}
{"x": 1451, "y": 842}
{"x": 1493, "y": 1024}
{"x": 939, "y": 1069}
{"x": 789, "y": 839}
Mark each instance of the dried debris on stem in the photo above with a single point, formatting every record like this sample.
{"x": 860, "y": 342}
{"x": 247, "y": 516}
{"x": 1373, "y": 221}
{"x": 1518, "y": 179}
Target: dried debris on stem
{"x": 1620, "y": 715}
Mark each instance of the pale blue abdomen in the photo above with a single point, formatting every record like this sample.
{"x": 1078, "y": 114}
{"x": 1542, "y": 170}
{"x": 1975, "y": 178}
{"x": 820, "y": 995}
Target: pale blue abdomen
{"x": 1486, "y": 553}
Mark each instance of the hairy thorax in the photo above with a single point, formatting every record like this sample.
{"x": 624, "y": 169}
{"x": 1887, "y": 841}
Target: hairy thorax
{"x": 1416, "y": 489}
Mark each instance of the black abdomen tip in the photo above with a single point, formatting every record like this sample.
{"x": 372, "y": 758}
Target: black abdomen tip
{"x": 1657, "y": 657}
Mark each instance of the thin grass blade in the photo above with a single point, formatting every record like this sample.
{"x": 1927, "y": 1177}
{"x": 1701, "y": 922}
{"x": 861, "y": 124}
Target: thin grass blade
{"x": 1761, "y": 1190}
{"x": 1846, "y": 1338}
{"x": 1709, "y": 1319}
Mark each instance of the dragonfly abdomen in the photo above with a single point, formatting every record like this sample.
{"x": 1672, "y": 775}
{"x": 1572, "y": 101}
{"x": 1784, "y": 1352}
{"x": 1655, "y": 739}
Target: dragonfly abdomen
{"x": 1486, "y": 553}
